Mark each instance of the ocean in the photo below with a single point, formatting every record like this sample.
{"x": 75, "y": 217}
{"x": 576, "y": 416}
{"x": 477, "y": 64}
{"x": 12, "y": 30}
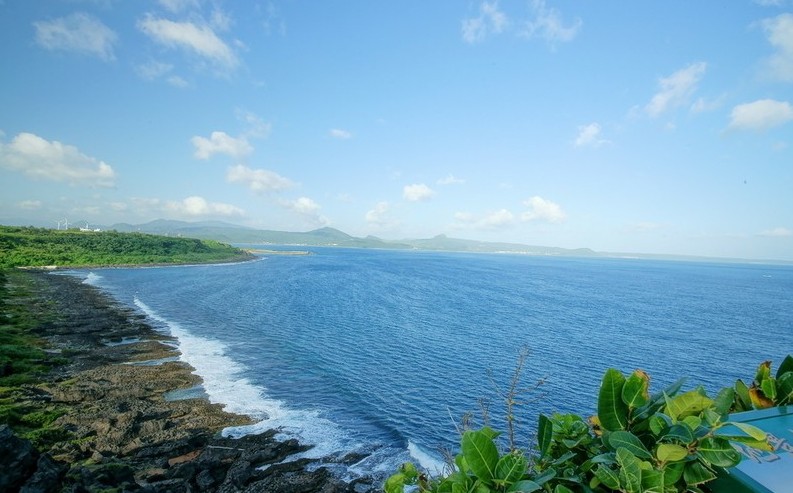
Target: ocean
{"x": 374, "y": 357}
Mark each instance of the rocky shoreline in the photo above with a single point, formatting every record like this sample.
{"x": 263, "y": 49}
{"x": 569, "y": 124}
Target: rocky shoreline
{"x": 120, "y": 432}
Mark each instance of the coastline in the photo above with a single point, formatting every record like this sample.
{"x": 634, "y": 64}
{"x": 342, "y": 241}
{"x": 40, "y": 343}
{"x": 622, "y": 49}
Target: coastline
{"x": 119, "y": 429}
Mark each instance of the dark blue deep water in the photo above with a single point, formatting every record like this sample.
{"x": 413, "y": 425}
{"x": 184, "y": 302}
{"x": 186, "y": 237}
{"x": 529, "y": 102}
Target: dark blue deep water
{"x": 383, "y": 351}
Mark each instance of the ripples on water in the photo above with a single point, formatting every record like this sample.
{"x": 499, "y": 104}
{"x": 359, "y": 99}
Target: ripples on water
{"x": 380, "y": 351}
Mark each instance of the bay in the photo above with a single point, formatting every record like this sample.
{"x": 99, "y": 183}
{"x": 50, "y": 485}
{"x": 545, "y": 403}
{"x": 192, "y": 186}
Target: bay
{"x": 382, "y": 352}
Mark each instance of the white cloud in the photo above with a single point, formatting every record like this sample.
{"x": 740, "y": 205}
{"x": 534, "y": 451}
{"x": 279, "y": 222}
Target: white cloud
{"x": 702, "y": 105}
{"x": 589, "y": 135}
{"x": 152, "y": 70}
{"x": 499, "y": 219}
{"x": 489, "y": 20}
{"x": 177, "y": 81}
{"x": 760, "y": 115}
{"x": 450, "y": 179}
{"x": 417, "y": 192}
{"x": 177, "y": 6}
{"x": 543, "y": 210}
{"x": 78, "y": 33}
{"x": 200, "y": 40}
{"x": 779, "y": 232}
{"x": 198, "y": 206}
{"x": 780, "y": 34}
{"x": 547, "y": 24}
{"x": 379, "y": 216}
{"x": 258, "y": 180}
{"x": 220, "y": 143}
{"x": 338, "y": 133}
{"x": 30, "y": 205}
{"x": 306, "y": 208}
{"x": 676, "y": 89}
{"x": 52, "y": 160}
{"x": 257, "y": 127}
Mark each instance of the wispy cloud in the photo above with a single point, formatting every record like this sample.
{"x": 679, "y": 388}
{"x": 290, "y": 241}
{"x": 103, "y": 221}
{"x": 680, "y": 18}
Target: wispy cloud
{"x": 778, "y": 232}
{"x": 495, "y": 220}
{"x": 258, "y": 180}
{"x": 541, "y": 209}
{"x": 338, "y": 133}
{"x": 379, "y": 217}
{"x": 490, "y": 20}
{"x": 417, "y": 192}
{"x": 547, "y": 23}
{"x": 760, "y": 115}
{"x": 450, "y": 179}
{"x": 77, "y": 33}
{"x": 29, "y": 205}
{"x": 195, "y": 39}
{"x": 676, "y": 90}
{"x": 779, "y": 31}
{"x": 51, "y": 160}
{"x": 177, "y": 6}
{"x": 589, "y": 136}
{"x": 220, "y": 143}
{"x": 307, "y": 208}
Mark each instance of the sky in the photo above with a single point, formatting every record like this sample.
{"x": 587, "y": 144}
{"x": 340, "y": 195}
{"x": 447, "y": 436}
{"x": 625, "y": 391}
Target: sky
{"x": 646, "y": 127}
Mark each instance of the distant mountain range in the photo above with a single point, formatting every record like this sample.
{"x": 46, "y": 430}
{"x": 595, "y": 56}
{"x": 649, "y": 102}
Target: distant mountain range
{"x": 230, "y": 233}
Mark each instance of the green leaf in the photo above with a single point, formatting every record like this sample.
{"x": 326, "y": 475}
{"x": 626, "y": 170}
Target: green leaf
{"x": 659, "y": 422}
{"x": 673, "y": 472}
{"x": 545, "y": 476}
{"x": 763, "y": 372}
{"x": 750, "y": 442}
{"x": 671, "y": 452}
{"x": 724, "y": 400}
{"x": 785, "y": 366}
{"x": 635, "y": 392}
{"x": 524, "y": 486}
{"x": 652, "y": 481}
{"x": 407, "y": 475}
{"x": 751, "y": 430}
{"x": 480, "y": 454}
{"x": 680, "y": 432}
{"x": 743, "y": 399}
{"x": 693, "y": 422}
{"x": 511, "y": 468}
{"x": 784, "y": 386}
{"x": 718, "y": 452}
{"x": 630, "y": 471}
{"x": 696, "y": 473}
{"x": 687, "y": 404}
{"x": 608, "y": 477}
{"x": 544, "y": 434}
{"x": 612, "y": 411}
{"x": 560, "y": 488}
{"x": 629, "y": 441}
{"x": 768, "y": 386}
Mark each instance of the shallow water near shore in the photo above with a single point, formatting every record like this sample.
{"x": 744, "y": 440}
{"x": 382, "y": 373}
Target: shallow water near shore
{"x": 380, "y": 352}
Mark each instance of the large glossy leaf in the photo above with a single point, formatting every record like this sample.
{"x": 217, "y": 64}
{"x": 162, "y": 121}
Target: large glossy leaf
{"x": 679, "y": 432}
{"x": 673, "y": 472}
{"x": 544, "y": 434}
{"x": 688, "y": 403}
{"x": 671, "y": 452}
{"x": 608, "y": 477}
{"x": 612, "y": 411}
{"x": 696, "y": 473}
{"x": 724, "y": 399}
{"x": 635, "y": 392}
{"x": 629, "y": 441}
{"x": 511, "y": 468}
{"x": 743, "y": 399}
{"x": 763, "y": 371}
{"x": 785, "y": 388}
{"x": 768, "y": 387}
{"x": 751, "y": 430}
{"x": 759, "y": 400}
{"x": 785, "y": 366}
{"x": 524, "y": 486}
{"x": 560, "y": 488}
{"x": 630, "y": 472}
{"x": 718, "y": 452}
{"x": 481, "y": 454}
{"x": 652, "y": 481}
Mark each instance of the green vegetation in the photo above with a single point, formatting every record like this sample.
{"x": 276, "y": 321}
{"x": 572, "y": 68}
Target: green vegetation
{"x": 38, "y": 247}
{"x": 671, "y": 441}
{"x": 22, "y": 362}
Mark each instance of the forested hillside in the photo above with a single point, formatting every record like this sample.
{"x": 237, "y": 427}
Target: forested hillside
{"x": 36, "y": 247}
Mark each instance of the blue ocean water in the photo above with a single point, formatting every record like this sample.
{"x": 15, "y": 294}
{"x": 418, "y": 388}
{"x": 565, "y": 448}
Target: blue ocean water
{"x": 382, "y": 352}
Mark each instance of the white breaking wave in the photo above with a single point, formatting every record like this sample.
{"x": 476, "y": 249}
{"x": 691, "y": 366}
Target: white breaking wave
{"x": 425, "y": 460}
{"x": 92, "y": 279}
{"x": 225, "y": 385}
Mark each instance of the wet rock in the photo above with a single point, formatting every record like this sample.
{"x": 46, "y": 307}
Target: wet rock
{"x": 18, "y": 459}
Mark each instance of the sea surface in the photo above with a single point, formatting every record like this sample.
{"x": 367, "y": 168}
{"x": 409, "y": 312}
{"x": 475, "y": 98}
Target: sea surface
{"x": 382, "y": 353}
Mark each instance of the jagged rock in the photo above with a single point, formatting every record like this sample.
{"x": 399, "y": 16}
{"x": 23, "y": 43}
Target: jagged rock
{"x": 47, "y": 477}
{"x": 17, "y": 459}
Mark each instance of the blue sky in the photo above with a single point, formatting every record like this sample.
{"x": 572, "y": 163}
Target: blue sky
{"x": 651, "y": 127}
